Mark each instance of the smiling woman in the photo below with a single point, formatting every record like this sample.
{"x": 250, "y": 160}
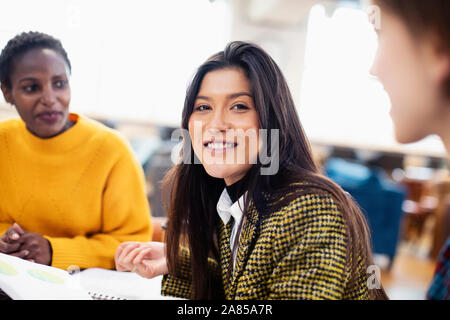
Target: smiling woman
{"x": 237, "y": 232}
{"x": 62, "y": 173}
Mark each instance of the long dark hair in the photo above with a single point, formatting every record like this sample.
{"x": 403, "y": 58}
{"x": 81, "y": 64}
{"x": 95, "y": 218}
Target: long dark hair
{"x": 192, "y": 194}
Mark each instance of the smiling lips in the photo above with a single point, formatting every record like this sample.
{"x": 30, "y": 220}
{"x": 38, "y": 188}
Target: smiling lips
{"x": 219, "y": 146}
{"x": 49, "y": 116}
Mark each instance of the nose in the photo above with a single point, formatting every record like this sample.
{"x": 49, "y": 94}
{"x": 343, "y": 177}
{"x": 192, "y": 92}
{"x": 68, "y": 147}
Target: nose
{"x": 218, "y": 121}
{"x": 373, "y": 71}
{"x": 48, "y": 97}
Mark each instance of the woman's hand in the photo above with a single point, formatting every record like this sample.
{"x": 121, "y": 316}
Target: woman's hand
{"x": 148, "y": 259}
{"x": 9, "y": 243}
{"x": 26, "y": 245}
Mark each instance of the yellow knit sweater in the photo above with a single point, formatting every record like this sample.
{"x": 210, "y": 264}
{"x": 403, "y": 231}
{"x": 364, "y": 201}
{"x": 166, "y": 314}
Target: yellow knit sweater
{"x": 83, "y": 190}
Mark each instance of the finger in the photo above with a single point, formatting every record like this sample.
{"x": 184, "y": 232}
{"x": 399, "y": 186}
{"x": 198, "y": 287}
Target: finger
{"x": 20, "y": 254}
{"x": 12, "y": 234}
{"x": 18, "y": 228}
{"x": 159, "y": 267}
{"x": 3, "y": 245}
{"x": 8, "y": 248}
{"x": 143, "y": 254}
{"x": 127, "y": 248}
{"x": 122, "y": 263}
{"x": 28, "y": 241}
{"x": 128, "y": 259}
{"x": 152, "y": 268}
{"x": 146, "y": 270}
{"x": 38, "y": 246}
{"x": 121, "y": 247}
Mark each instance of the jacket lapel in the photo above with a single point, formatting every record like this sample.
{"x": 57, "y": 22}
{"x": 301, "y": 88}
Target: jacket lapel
{"x": 225, "y": 254}
{"x": 247, "y": 235}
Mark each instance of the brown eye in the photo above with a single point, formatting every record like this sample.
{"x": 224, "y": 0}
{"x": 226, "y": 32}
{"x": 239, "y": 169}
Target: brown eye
{"x": 202, "y": 108}
{"x": 240, "y": 107}
{"x": 60, "y": 84}
{"x": 30, "y": 88}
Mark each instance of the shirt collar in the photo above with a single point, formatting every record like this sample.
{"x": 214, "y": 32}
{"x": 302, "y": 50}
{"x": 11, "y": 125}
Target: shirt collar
{"x": 226, "y": 209}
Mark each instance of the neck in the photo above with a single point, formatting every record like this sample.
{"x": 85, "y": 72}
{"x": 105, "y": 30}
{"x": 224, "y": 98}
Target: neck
{"x": 69, "y": 124}
{"x": 232, "y": 180}
{"x": 445, "y": 130}
{"x": 446, "y": 141}
{"x": 237, "y": 189}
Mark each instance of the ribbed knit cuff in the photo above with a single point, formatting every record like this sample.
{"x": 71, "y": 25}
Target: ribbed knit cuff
{"x": 74, "y": 252}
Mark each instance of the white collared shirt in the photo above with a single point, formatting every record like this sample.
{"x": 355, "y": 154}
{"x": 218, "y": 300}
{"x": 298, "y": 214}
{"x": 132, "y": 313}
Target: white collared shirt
{"x": 226, "y": 209}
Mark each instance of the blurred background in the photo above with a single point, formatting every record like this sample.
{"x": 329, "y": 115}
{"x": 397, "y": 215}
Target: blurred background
{"x": 132, "y": 61}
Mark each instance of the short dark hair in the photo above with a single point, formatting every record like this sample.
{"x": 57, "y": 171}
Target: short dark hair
{"x": 422, "y": 18}
{"x": 23, "y": 43}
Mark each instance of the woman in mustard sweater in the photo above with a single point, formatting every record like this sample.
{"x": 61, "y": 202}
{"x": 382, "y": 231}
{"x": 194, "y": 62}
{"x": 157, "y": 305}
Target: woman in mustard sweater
{"x": 71, "y": 190}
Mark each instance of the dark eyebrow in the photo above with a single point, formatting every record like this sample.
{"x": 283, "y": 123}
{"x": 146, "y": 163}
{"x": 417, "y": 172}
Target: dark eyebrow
{"x": 27, "y": 79}
{"x": 203, "y": 97}
{"x": 230, "y": 96}
{"x": 60, "y": 76}
{"x": 238, "y": 94}
{"x": 35, "y": 79}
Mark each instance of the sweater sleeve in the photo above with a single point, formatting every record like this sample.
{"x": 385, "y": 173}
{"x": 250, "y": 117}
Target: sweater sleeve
{"x": 179, "y": 286}
{"x": 125, "y": 217}
{"x": 311, "y": 251}
{"x": 4, "y": 226}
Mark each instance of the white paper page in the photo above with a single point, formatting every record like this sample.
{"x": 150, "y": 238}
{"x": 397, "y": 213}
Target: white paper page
{"x": 24, "y": 280}
{"x": 121, "y": 285}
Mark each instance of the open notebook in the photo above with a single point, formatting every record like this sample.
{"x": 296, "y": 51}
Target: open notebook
{"x": 24, "y": 280}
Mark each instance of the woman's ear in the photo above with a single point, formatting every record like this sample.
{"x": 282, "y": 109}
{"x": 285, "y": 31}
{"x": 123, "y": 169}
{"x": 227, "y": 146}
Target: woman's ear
{"x": 7, "y": 94}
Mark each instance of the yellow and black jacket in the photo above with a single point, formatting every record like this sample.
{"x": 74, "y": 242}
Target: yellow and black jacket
{"x": 297, "y": 252}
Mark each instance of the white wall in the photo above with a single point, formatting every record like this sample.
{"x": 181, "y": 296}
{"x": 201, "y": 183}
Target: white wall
{"x": 130, "y": 59}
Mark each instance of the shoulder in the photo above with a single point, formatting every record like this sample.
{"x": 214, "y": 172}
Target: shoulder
{"x": 11, "y": 126}
{"x": 309, "y": 204}
{"x": 309, "y": 214}
{"x": 110, "y": 138}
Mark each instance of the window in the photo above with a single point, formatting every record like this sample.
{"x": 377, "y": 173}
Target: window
{"x": 340, "y": 102}
{"x": 130, "y": 59}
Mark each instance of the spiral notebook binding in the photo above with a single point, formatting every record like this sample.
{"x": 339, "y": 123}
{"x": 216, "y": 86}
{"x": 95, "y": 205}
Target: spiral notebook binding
{"x": 101, "y": 296}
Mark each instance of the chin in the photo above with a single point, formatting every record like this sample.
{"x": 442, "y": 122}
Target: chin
{"x": 48, "y": 132}
{"x": 408, "y": 137}
{"x": 218, "y": 171}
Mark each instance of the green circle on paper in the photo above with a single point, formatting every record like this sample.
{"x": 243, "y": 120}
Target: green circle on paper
{"x": 6, "y": 268}
{"x": 45, "y": 276}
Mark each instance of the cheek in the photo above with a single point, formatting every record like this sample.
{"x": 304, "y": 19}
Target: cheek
{"x": 387, "y": 68}
{"x": 24, "y": 105}
{"x": 254, "y": 137}
{"x": 65, "y": 98}
{"x": 195, "y": 134}
{"x": 250, "y": 144}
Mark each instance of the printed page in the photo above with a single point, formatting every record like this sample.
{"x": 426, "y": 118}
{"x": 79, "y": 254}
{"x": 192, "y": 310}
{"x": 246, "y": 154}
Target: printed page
{"x": 24, "y": 280}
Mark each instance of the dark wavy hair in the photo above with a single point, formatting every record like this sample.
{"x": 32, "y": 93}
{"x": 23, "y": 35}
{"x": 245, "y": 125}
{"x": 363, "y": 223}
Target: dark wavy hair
{"x": 21, "y": 44}
{"x": 190, "y": 194}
